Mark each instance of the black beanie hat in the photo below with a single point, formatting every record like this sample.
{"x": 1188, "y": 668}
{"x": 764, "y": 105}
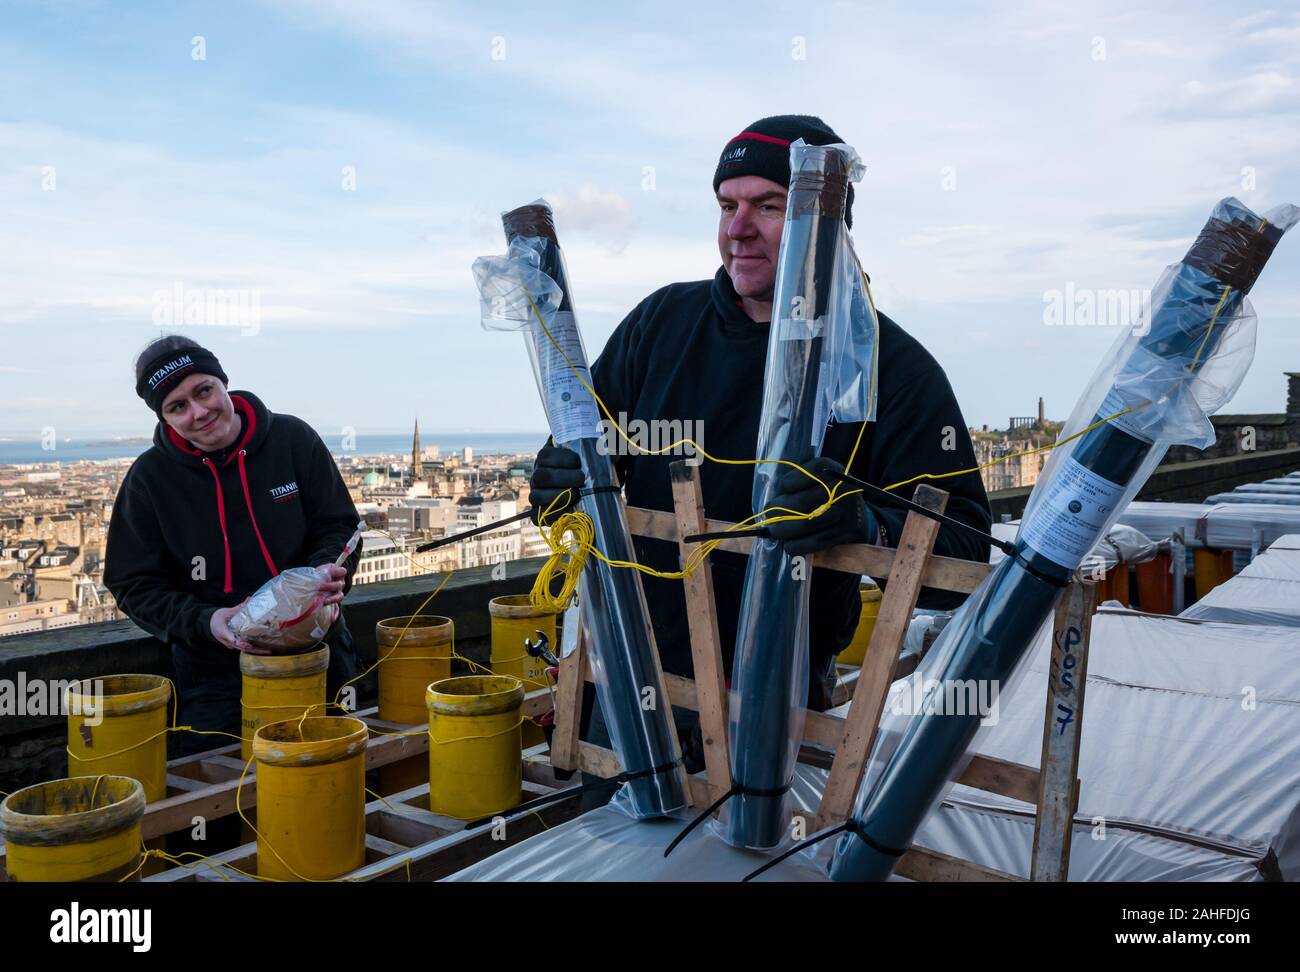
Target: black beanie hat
{"x": 763, "y": 149}
{"x": 165, "y": 370}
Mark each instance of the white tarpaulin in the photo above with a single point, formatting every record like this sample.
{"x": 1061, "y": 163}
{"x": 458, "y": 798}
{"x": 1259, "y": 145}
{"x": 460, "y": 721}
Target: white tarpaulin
{"x": 1239, "y": 525}
{"x": 1277, "y": 563}
{"x": 1190, "y": 755}
{"x": 1266, "y": 499}
{"x": 1159, "y": 520}
{"x": 1267, "y": 591}
{"x": 1222, "y": 526}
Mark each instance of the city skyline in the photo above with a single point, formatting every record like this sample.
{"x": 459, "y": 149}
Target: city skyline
{"x": 341, "y": 165}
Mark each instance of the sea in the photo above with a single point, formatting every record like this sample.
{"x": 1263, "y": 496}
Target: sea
{"x": 19, "y": 450}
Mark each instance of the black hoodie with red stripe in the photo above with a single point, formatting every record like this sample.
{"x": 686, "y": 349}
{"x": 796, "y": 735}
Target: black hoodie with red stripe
{"x": 192, "y": 532}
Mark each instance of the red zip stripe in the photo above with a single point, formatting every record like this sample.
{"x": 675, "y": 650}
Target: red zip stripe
{"x": 221, "y": 518}
{"x": 761, "y": 138}
{"x": 243, "y": 478}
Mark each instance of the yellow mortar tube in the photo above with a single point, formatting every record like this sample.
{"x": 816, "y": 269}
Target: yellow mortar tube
{"x": 311, "y": 798}
{"x": 514, "y": 619}
{"x": 54, "y": 832}
{"x": 280, "y": 687}
{"x": 475, "y": 768}
{"x": 128, "y": 737}
{"x": 856, "y": 650}
{"x": 422, "y": 656}
{"x": 1210, "y": 568}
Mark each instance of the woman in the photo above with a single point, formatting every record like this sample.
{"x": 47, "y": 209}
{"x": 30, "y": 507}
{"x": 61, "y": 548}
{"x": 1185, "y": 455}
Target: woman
{"x": 228, "y": 495}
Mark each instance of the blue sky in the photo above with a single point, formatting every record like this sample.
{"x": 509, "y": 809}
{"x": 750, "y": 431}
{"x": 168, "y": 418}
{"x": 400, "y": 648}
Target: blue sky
{"x": 1009, "y": 153}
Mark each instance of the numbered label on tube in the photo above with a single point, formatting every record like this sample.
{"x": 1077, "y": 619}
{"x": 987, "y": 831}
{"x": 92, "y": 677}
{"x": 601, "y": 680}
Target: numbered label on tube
{"x": 569, "y": 406}
{"x": 1068, "y": 522}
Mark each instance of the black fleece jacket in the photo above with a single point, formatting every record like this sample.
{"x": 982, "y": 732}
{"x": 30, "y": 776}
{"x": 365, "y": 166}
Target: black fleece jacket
{"x": 689, "y": 352}
{"x": 273, "y": 500}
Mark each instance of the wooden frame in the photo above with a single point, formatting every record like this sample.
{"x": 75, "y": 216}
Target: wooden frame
{"x": 400, "y": 829}
{"x": 407, "y": 841}
{"x": 909, "y": 567}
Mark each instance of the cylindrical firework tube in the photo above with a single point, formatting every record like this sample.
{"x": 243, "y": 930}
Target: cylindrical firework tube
{"x": 623, "y": 657}
{"x": 1162, "y": 376}
{"x": 769, "y": 680}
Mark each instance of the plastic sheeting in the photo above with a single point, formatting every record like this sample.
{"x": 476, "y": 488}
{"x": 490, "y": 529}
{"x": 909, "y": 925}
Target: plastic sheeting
{"x": 1288, "y": 486}
{"x": 1121, "y": 543}
{"x": 1157, "y": 387}
{"x": 1251, "y": 600}
{"x": 1222, "y": 526}
{"x": 1243, "y": 525}
{"x": 1278, "y": 499}
{"x": 1279, "y": 562}
{"x": 1159, "y": 520}
{"x": 821, "y": 356}
{"x": 605, "y": 845}
{"x": 1192, "y": 786}
{"x": 286, "y": 614}
{"x": 527, "y": 290}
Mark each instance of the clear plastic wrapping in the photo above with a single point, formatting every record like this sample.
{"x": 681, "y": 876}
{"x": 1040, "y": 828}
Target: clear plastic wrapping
{"x": 287, "y": 613}
{"x": 1165, "y": 378}
{"x": 821, "y": 358}
{"x": 1122, "y": 545}
{"x": 527, "y": 290}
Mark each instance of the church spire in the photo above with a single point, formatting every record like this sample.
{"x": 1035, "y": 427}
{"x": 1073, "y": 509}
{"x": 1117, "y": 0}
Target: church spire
{"x": 417, "y": 471}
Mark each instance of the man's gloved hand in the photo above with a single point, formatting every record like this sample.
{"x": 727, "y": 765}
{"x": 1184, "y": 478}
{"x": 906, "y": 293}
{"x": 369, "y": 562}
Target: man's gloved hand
{"x": 849, "y": 519}
{"x": 557, "y": 469}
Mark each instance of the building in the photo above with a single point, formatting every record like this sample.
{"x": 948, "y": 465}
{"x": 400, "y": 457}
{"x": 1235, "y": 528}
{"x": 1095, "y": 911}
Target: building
{"x": 1008, "y": 457}
{"x": 382, "y": 559}
{"x": 1259, "y": 432}
{"x": 423, "y": 516}
{"x": 417, "y": 472}
{"x": 37, "y": 616}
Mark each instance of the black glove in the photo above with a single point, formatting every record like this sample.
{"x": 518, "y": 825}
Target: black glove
{"x": 556, "y": 481}
{"x": 849, "y": 520}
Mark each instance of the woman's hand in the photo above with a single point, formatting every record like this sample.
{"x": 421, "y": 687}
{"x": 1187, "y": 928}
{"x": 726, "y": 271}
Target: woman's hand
{"x": 332, "y": 586}
{"x": 220, "y": 627}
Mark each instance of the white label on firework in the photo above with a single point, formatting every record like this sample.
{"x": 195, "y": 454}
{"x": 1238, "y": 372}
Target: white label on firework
{"x": 569, "y": 406}
{"x": 1068, "y": 522}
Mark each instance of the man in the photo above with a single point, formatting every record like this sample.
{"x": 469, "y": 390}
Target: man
{"x": 696, "y": 353}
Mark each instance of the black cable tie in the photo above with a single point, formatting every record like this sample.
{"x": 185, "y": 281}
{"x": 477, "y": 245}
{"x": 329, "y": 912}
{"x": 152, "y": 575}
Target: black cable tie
{"x": 736, "y": 790}
{"x": 466, "y": 534}
{"x": 497, "y": 524}
{"x": 853, "y": 827}
{"x": 699, "y": 819}
{"x": 627, "y": 777}
{"x": 1005, "y": 546}
{"x": 804, "y": 844}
